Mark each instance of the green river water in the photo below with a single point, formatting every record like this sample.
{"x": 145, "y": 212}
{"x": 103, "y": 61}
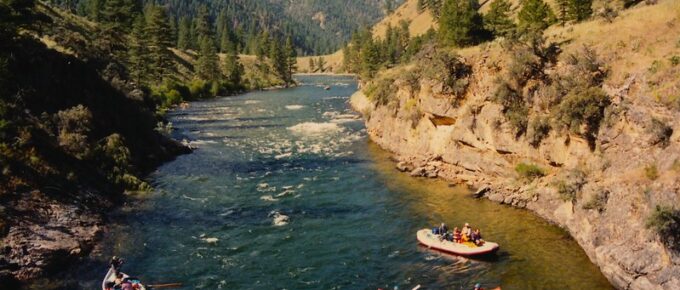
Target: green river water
{"x": 300, "y": 152}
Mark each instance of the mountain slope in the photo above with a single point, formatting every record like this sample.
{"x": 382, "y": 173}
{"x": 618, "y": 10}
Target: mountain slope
{"x": 318, "y": 26}
{"x": 75, "y": 133}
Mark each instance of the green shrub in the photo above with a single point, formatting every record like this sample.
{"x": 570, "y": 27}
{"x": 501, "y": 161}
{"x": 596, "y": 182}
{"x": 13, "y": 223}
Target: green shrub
{"x": 655, "y": 67}
{"x": 200, "y": 89}
{"x": 514, "y": 107}
{"x": 582, "y": 111}
{"x": 651, "y": 172}
{"x": 569, "y": 187}
{"x": 597, "y": 202}
{"x": 448, "y": 68}
{"x": 665, "y": 221}
{"x": 529, "y": 171}
{"x": 675, "y": 60}
{"x": 74, "y": 124}
{"x": 381, "y": 91}
{"x": 661, "y": 133}
{"x": 539, "y": 129}
{"x": 412, "y": 79}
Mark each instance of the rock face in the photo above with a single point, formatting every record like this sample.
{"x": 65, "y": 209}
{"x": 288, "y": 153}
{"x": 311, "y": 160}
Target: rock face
{"x": 50, "y": 234}
{"x": 474, "y": 144}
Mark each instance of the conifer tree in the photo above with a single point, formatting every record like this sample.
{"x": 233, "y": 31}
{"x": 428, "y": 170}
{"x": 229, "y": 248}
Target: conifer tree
{"x": 207, "y": 63}
{"x": 138, "y": 51}
{"x": 291, "y": 60}
{"x": 370, "y": 59}
{"x": 202, "y": 26}
{"x": 233, "y": 69}
{"x": 225, "y": 40}
{"x": 535, "y": 16}
{"x": 563, "y": 10}
{"x": 278, "y": 59}
{"x": 460, "y": 23}
{"x": 117, "y": 15}
{"x": 158, "y": 36}
{"x": 499, "y": 20}
{"x": 580, "y": 10}
{"x": 184, "y": 34}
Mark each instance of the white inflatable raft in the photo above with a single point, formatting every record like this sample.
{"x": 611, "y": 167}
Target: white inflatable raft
{"x": 430, "y": 240}
{"x": 111, "y": 277}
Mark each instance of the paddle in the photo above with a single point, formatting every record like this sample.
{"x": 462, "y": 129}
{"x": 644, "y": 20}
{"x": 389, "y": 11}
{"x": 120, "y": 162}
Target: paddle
{"x": 167, "y": 285}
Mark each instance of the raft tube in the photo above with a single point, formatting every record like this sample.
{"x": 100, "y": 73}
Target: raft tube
{"x": 432, "y": 241}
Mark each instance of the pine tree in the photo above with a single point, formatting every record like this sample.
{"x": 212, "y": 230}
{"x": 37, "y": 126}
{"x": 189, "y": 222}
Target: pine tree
{"x": 278, "y": 60}
{"x": 460, "y": 23}
{"x": 138, "y": 51}
{"x": 184, "y": 34}
{"x": 202, "y": 26}
{"x": 563, "y": 10}
{"x": 535, "y": 16}
{"x": 291, "y": 60}
{"x": 370, "y": 59}
{"x": 233, "y": 69}
{"x": 498, "y": 20}
{"x": 580, "y": 10}
{"x": 117, "y": 15}
{"x": 225, "y": 40}
{"x": 207, "y": 63}
{"x": 158, "y": 36}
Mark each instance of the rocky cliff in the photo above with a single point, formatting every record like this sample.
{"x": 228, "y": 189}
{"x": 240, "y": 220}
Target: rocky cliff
{"x": 604, "y": 178}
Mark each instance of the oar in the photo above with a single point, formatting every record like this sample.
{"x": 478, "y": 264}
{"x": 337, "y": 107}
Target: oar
{"x": 166, "y": 285}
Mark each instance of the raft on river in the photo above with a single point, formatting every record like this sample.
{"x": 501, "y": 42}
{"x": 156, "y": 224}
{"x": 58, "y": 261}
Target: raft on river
{"x": 111, "y": 277}
{"x": 430, "y": 240}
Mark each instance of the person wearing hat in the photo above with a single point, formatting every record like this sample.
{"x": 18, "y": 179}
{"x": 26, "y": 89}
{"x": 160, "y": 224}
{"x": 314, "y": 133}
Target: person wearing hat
{"x": 467, "y": 232}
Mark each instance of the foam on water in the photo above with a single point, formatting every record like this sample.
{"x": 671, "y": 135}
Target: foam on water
{"x": 315, "y": 128}
{"x": 294, "y": 107}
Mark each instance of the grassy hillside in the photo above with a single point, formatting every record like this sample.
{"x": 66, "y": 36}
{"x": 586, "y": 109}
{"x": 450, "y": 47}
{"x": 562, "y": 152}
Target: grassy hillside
{"x": 420, "y": 22}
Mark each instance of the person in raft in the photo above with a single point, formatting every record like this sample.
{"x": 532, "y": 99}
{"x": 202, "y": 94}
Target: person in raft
{"x": 456, "y": 235}
{"x": 443, "y": 229}
{"x": 467, "y": 233}
{"x": 477, "y": 237}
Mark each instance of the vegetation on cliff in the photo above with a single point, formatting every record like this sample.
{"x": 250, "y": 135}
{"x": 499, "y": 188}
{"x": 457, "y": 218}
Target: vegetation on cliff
{"x": 556, "y": 111}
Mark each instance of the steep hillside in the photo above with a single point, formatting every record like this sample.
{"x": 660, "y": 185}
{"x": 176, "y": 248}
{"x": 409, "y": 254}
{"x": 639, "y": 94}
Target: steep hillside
{"x": 420, "y": 21}
{"x": 318, "y": 26}
{"x": 75, "y": 133}
{"x": 581, "y": 129}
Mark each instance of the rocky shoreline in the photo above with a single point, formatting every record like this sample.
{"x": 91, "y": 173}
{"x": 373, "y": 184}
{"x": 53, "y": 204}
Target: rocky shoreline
{"x": 477, "y": 150}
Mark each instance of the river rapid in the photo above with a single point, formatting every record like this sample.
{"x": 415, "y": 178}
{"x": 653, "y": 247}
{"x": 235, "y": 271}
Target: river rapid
{"x": 285, "y": 191}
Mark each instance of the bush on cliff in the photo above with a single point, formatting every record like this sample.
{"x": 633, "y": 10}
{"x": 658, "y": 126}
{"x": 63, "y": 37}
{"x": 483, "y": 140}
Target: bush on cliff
{"x": 381, "y": 91}
{"x": 451, "y": 70}
{"x": 515, "y": 109}
{"x": 665, "y": 221}
{"x": 570, "y": 186}
{"x": 582, "y": 111}
{"x": 538, "y": 130}
{"x": 597, "y": 202}
{"x": 529, "y": 171}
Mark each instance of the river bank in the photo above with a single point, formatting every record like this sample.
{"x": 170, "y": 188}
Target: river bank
{"x": 467, "y": 146}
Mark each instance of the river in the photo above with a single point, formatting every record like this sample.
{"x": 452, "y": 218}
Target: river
{"x": 301, "y": 152}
